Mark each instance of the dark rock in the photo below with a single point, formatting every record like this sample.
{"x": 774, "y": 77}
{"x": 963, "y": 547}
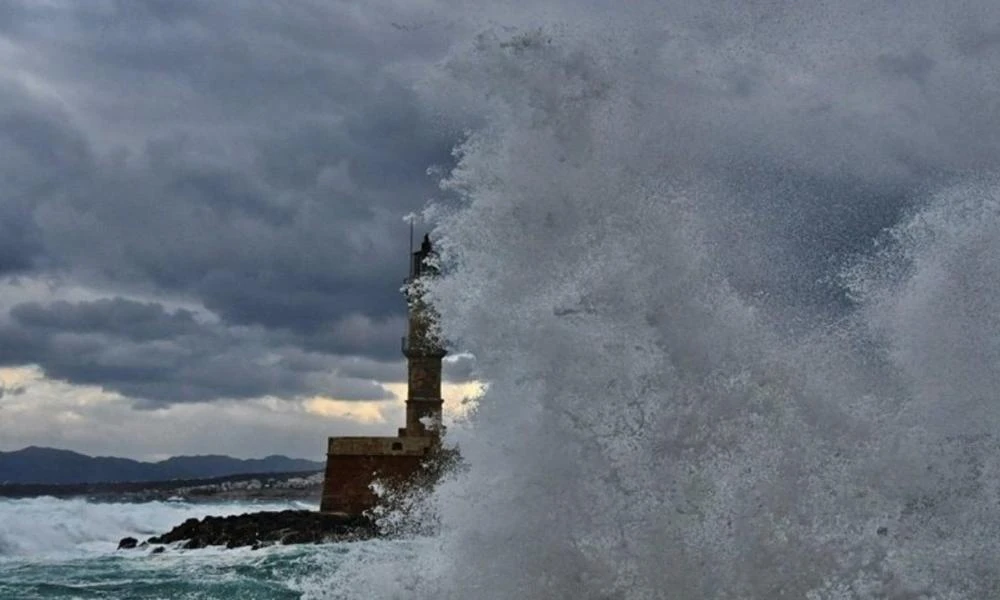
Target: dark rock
{"x": 297, "y": 537}
{"x": 265, "y": 528}
{"x": 157, "y": 550}
{"x": 127, "y": 543}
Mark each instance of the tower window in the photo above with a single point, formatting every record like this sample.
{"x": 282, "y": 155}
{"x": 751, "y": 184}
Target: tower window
{"x": 397, "y": 445}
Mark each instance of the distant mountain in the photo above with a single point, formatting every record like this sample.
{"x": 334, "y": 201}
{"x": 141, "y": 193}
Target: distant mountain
{"x": 52, "y": 466}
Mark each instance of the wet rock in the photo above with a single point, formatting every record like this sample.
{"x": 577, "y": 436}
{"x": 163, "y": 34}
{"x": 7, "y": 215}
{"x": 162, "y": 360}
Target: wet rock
{"x": 127, "y": 543}
{"x": 158, "y": 550}
{"x": 260, "y": 529}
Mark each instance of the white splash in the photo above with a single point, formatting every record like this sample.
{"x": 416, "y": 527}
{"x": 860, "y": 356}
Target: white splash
{"x": 665, "y": 418}
{"x": 45, "y": 528}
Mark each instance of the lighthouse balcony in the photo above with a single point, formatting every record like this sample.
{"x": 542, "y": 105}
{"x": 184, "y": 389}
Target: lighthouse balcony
{"x": 419, "y": 349}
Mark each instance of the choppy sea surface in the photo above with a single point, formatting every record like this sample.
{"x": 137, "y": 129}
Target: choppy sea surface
{"x": 51, "y": 548}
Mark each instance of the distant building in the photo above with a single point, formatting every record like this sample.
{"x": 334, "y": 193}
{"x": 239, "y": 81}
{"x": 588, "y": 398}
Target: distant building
{"x": 353, "y": 463}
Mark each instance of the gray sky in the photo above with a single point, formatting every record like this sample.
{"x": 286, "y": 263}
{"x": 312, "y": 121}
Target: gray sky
{"x": 201, "y": 220}
{"x": 201, "y": 235}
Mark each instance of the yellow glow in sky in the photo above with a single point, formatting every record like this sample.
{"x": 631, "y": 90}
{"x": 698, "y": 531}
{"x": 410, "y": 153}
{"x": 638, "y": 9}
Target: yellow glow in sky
{"x": 362, "y": 412}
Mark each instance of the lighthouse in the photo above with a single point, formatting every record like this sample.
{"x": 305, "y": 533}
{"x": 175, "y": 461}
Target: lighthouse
{"x": 423, "y": 350}
{"x": 354, "y": 463}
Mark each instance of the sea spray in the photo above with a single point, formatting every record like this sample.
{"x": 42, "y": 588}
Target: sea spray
{"x": 47, "y": 528}
{"x": 665, "y": 417}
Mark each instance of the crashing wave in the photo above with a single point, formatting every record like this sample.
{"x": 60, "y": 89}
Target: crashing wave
{"x": 688, "y": 398}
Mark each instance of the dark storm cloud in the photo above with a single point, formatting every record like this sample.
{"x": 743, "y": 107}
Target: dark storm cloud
{"x": 147, "y": 352}
{"x": 254, "y": 159}
{"x": 34, "y": 145}
{"x": 117, "y": 317}
{"x": 161, "y": 356}
{"x": 19, "y": 243}
{"x": 251, "y": 158}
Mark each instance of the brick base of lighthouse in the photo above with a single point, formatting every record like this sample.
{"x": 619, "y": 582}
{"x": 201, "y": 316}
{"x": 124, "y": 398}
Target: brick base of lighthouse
{"x": 354, "y": 463}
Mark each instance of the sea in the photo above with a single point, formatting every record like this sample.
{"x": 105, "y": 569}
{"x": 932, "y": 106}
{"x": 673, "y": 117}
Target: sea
{"x": 67, "y": 549}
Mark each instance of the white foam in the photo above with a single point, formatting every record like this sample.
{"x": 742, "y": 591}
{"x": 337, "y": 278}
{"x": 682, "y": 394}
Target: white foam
{"x": 666, "y": 417}
{"x": 39, "y": 528}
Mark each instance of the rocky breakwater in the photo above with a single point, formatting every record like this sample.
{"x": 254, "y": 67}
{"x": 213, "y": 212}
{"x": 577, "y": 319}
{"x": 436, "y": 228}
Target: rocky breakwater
{"x": 266, "y": 528}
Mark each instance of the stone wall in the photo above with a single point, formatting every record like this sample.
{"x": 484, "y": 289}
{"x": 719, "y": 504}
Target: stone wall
{"x": 353, "y": 463}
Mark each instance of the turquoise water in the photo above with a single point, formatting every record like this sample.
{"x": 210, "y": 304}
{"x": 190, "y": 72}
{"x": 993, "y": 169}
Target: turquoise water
{"x": 67, "y": 549}
{"x": 209, "y": 574}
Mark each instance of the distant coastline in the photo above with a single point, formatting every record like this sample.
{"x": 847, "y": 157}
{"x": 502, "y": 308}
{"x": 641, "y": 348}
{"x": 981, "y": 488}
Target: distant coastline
{"x": 297, "y": 485}
{"x": 36, "y": 465}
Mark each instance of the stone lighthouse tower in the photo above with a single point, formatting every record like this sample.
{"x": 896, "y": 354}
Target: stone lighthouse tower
{"x": 355, "y": 463}
{"x": 423, "y": 350}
